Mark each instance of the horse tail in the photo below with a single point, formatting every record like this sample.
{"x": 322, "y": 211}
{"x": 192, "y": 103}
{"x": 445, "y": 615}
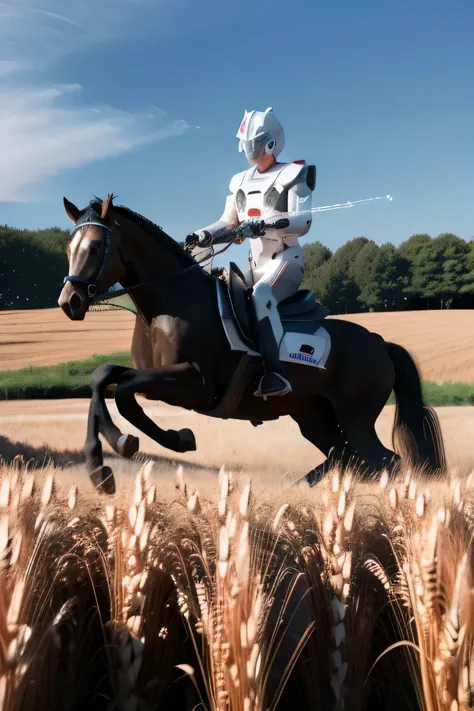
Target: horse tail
{"x": 416, "y": 428}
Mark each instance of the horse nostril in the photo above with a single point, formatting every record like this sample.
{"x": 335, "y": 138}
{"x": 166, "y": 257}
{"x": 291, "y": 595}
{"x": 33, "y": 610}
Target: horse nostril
{"x": 75, "y": 302}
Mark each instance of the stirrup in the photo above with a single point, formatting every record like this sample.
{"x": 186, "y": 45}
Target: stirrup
{"x": 284, "y": 390}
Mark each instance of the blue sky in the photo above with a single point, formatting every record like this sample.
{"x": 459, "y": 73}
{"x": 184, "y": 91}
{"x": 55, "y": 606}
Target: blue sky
{"x": 143, "y": 98}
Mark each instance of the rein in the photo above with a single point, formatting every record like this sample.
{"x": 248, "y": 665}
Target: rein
{"x": 92, "y": 283}
{"x": 182, "y": 272}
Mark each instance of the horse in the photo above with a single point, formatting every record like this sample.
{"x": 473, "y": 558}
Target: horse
{"x": 194, "y": 347}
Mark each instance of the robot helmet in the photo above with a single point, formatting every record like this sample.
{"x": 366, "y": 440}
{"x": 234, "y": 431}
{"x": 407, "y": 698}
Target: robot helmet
{"x": 260, "y": 132}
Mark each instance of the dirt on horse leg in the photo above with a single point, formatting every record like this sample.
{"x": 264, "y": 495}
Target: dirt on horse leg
{"x": 179, "y": 385}
{"x": 319, "y": 426}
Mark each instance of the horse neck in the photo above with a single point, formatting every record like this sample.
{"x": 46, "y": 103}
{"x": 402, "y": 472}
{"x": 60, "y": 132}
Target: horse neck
{"x": 149, "y": 263}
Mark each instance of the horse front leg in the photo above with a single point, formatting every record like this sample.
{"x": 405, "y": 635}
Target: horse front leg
{"x": 100, "y": 422}
{"x": 180, "y": 385}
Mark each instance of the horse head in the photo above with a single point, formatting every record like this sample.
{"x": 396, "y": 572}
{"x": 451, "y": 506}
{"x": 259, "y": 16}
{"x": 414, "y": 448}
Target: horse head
{"x": 94, "y": 257}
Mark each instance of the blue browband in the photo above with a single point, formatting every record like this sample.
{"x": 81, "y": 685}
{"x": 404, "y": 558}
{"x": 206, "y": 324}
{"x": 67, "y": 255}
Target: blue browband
{"x": 91, "y": 284}
{"x": 89, "y": 224}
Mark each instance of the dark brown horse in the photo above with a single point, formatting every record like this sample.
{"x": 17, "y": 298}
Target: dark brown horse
{"x": 193, "y": 347}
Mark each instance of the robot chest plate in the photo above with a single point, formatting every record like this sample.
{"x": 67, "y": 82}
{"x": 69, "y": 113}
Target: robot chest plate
{"x": 252, "y": 205}
{"x": 259, "y": 198}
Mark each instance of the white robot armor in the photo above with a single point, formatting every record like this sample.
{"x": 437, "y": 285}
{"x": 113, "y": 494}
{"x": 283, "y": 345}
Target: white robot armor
{"x": 283, "y": 189}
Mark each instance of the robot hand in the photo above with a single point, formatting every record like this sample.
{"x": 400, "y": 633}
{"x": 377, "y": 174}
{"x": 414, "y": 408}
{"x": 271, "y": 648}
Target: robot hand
{"x": 250, "y": 229}
{"x": 192, "y": 240}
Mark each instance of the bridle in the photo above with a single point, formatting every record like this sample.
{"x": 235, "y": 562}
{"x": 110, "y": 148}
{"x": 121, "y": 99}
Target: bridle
{"x": 92, "y": 283}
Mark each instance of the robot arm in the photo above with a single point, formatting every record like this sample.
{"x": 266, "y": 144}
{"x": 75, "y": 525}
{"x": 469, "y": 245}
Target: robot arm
{"x": 228, "y": 221}
{"x": 299, "y": 201}
{"x": 298, "y": 181}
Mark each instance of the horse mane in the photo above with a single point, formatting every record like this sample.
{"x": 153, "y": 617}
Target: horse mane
{"x": 154, "y": 231}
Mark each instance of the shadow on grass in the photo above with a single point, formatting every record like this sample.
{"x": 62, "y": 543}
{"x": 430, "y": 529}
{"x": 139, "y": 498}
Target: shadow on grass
{"x": 45, "y": 456}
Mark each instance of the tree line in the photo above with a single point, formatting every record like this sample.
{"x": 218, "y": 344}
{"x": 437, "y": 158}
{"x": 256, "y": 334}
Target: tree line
{"x": 32, "y": 267}
{"x": 421, "y": 273}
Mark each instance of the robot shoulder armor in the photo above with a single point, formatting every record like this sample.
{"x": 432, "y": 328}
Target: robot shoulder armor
{"x": 297, "y": 172}
{"x": 236, "y": 181}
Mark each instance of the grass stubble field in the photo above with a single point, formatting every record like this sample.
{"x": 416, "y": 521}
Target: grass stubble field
{"x": 202, "y": 587}
{"x": 443, "y": 341}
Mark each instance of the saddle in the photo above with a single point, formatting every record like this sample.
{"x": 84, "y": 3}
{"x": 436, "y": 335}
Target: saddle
{"x": 301, "y": 307}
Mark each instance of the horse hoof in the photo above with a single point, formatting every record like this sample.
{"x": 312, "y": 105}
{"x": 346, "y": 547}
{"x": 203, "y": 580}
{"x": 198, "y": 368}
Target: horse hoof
{"x": 103, "y": 480}
{"x": 127, "y": 446}
{"x": 303, "y": 480}
{"x": 312, "y": 478}
{"x": 186, "y": 441}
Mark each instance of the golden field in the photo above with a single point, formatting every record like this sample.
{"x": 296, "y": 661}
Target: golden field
{"x": 441, "y": 341}
{"x": 208, "y": 582}
{"x": 234, "y": 597}
{"x": 271, "y": 453}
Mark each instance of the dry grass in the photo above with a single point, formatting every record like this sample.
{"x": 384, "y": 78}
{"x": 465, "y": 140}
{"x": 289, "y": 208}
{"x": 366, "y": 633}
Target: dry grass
{"x": 442, "y": 341}
{"x": 47, "y": 336}
{"x": 351, "y": 596}
{"x": 57, "y": 429}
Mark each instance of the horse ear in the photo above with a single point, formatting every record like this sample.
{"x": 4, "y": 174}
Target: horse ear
{"x": 72, "y": 211}
{"x": 106, "y": 206}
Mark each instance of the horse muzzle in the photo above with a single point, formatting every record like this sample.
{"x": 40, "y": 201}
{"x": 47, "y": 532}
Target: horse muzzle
{"x": 74, "y": 301}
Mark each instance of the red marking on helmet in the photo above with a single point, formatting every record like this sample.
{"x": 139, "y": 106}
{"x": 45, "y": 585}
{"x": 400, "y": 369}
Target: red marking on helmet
{"x": 242, "y": 125}
{"x": 254, "y": 212}
{"x": 300, "y": 162}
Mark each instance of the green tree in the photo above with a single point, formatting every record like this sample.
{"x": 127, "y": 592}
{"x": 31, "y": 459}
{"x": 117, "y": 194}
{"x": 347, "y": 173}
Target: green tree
{"x": 410, "y": 249}
{"x": 346, "y": 254}
{"x": 382, "y": 275}
{"x": 440, "y": 270}
{"x": 363, "y": 272}
{"x": 338, "y": 292}
{"x": 315, "y": 255}
{"x": 468, "y": 286}
{"x": 337, "y": 286}
{"x": 32, "y": 266}
{"x": 392, "y": 275}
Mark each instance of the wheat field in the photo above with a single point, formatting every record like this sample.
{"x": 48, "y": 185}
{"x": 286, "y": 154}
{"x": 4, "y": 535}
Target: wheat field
{"x": 207, "y": 588}
{"x": 350, "y": 597}
{"x": 441, "y": 341}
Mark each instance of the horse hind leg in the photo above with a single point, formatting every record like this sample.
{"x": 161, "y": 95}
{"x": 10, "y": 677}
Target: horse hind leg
{"x": 370, "y": 456}
{"x": 319, "y": 426}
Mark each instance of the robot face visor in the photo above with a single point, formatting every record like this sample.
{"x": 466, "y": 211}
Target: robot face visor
{"x": 255, "y": 147}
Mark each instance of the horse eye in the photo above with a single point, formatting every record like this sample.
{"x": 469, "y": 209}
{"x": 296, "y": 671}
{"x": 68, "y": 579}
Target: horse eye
{"x": 94, "y": 251}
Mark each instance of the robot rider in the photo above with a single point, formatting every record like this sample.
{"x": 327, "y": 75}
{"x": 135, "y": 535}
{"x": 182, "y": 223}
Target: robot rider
{"x": 267, "y": 190}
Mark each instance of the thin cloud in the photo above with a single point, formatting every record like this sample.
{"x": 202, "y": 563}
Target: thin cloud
{"x": 7, "y": 68}
{"x": 40, "y": 136}
{"x": 44, "y": 30}
{"x": 41, "y": 133}
{"x": 59, "y": 17}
